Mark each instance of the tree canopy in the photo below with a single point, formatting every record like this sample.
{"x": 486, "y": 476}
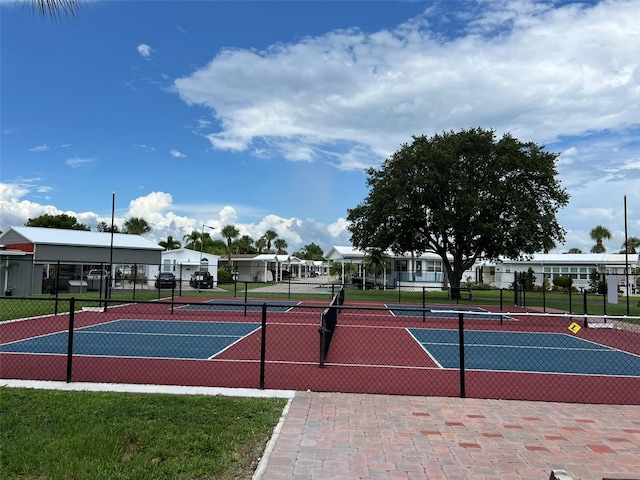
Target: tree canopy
{"x": 462, "y": 195}
{"x": 230, "y": 232}
{"x": 136, "y": 226}
{"x": 599, "y": 233}
{"x": 311, "y": 251}
{"x": 63, "y": 221}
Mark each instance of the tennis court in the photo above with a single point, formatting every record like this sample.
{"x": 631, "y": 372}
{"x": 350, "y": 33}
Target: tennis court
{"x": 525, "y": 352}
{"x": 141, "y": 339}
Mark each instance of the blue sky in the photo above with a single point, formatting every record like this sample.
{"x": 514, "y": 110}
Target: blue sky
{"x": 265, "y": 114}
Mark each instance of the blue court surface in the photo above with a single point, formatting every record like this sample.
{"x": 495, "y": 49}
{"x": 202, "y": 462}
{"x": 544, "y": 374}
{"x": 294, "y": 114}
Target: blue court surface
{"x": 141, "y": 338}
{"x": 439, "y": 311}
{"x": 525, "y": 352}
{"x": 240, "y": 305}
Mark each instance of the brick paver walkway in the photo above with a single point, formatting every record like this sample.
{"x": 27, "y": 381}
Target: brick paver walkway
{"x": 353, "y": 436}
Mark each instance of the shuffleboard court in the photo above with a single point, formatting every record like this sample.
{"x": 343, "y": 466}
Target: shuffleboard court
{"x": 141, "y": 339}
{"x": 525, "y": 352}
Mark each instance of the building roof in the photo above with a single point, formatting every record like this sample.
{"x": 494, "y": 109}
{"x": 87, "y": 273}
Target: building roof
{"x": 579, "y": 258}
{"x": 59, "y": 236}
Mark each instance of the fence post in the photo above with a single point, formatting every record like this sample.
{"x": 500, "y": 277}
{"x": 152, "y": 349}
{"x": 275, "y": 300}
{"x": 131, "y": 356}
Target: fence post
{"x": 246, "y": 296}
{"x": 544, "y": 295}
{"x": 55, "y": 310}
{"x": 323, "y": 340}
{"x": 463, "y": 392}
{"x": 72, "y": 311}
{"x": 424, "y": 304}
{"x": 570, "y": 301}
{"x": 263, "y": 345}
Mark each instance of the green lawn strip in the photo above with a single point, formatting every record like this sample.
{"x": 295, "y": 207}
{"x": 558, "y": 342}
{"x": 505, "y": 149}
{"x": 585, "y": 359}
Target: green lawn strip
{"x": 88, "y": 435}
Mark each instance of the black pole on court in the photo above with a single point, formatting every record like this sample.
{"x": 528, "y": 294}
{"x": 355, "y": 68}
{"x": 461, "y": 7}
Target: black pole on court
{"x": 173, "y": 299}
{"x": 246, "y": 297}
{"x": 72, "y": 311}
{"x": 263, "y": 345}
{"x": 57, "y": 288}
{"x": 424, "y": 304}
{"x": 463, "y": 393}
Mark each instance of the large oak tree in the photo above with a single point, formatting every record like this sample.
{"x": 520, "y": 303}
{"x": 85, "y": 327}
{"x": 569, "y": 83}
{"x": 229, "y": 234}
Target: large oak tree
{"x": 463, "y": 195}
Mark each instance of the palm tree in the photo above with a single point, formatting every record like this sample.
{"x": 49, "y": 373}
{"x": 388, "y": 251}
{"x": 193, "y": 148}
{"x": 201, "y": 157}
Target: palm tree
{"x": 548, "y": 246}
{"x": 230, "y": 233}
{"x": 574, "y": 250}
{"x": 55, "y": 8}
{"x": 104, "y": 227}
{"x": 633, "y": 243}
{"x": 270, "y": 235}
{"x": 136, "y": 226}
{"x": 281, "y": 246}
{"x": 261, "y": 244}
{"x": 244, "y": 244}
{"x": 170, "y": 243}
{"x": 599, "y": 233}
{"x": 192, "y": 240}
{"x": 376, "y": 260}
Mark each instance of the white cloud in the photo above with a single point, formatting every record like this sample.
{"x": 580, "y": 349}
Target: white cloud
{"x": 547, "y": 72}
{"x": 79, "y": 162}
{"x": 40, "y": 148}
{"x": 145, "y": 51}
{"x": 177, "y": 154}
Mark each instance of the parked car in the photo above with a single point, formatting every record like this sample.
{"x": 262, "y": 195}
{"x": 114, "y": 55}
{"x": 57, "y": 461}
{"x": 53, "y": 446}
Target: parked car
{"x": 165, "y": 280}
{"x": 201, "y": 280}
{"x": 96, "y": 279}
{"x": 96, "y": 274}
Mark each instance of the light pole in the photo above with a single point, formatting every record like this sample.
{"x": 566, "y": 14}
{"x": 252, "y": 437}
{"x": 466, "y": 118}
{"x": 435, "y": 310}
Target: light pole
{"x": 201, "y": 250}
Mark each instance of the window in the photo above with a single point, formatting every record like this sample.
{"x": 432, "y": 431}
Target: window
{"x": 434, "y": 266}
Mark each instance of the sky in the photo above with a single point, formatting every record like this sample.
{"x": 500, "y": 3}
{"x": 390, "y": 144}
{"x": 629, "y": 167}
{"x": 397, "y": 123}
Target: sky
{"x": 265, "y": 114}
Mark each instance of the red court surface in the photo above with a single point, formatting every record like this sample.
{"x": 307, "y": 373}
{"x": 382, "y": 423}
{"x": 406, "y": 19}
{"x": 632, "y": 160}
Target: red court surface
{"x": 371, "y": 352}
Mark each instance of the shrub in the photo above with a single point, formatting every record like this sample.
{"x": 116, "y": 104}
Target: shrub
{"x": 224, "y": 276}
{"x": 563, "y": 282}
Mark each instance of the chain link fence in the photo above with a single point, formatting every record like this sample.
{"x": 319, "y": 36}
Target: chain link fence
{"x": 276, "y": 342}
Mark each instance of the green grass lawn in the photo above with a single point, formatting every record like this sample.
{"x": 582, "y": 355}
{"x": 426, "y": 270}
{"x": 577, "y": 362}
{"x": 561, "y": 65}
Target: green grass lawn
{"x": 53, "y": 435}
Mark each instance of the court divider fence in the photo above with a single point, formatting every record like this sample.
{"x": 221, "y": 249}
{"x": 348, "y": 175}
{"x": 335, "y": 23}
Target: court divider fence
{"x": 387, "y": 348}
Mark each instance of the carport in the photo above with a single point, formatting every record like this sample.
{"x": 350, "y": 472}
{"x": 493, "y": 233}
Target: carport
{"x": 70, "y": 254}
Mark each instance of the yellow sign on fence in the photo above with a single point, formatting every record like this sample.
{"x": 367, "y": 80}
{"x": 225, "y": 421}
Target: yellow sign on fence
{"x": 574, "y": 327}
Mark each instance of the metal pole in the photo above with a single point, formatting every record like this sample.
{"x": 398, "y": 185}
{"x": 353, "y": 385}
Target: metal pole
{"x": 72, "y": 309}
{"x": 263, "y": 345}
{"x": 109, "y": 278}
{"x": 626, "y": 254}
{"x": 463, "y": 392}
